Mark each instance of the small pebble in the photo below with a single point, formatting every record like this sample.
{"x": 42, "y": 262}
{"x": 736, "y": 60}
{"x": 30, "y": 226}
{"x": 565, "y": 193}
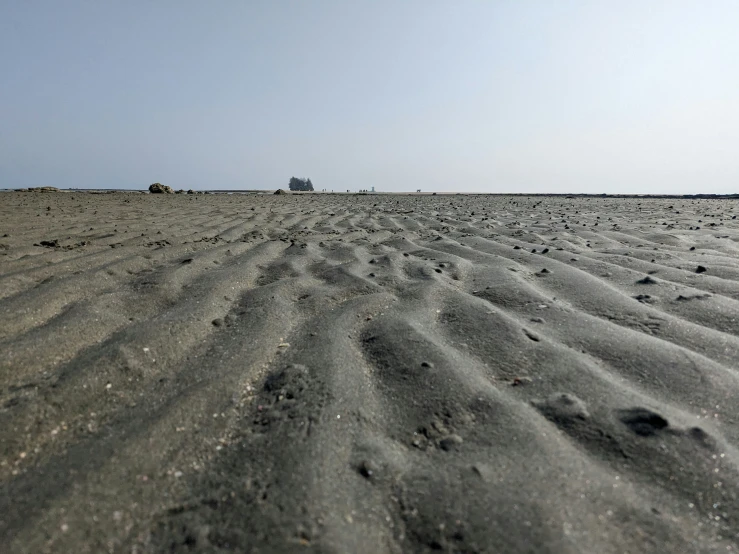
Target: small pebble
{"x": 450, "y": 443}
{"x": 367, "y": 469}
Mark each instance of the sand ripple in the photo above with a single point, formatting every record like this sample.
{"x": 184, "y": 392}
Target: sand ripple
{"x": 368, "y": 373}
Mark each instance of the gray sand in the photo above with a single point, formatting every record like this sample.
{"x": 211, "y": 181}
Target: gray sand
{"x": 346, "y": 373}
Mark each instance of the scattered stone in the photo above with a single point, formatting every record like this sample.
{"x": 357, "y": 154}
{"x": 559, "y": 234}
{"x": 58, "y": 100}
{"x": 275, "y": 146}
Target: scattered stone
{"x": 700, "y": 269}
{"x": 642, "y": 421}
{"x": 158, "y": 188}
{"x": 562, "y": 407}
{"x": 682, "y": 298}
{"x": 451, "y": 442}
{"x": 367, "y": 469}
{"x": 484, "y": 472}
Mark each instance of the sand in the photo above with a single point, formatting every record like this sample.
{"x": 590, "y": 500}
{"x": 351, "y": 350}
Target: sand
{"x": 368, "y": 373}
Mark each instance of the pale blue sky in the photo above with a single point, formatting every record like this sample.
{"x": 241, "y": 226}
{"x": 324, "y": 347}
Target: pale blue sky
{"x": 517, "y": 96}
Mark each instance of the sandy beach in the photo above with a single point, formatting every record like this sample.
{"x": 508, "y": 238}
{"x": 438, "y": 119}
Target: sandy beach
{"x": 368, "y": 373}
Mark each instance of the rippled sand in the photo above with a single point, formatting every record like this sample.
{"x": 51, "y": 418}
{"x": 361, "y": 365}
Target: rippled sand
{"x": 368, "y": 373}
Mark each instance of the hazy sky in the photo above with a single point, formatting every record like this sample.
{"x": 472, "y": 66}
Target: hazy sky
{"x": 460, "y": 95}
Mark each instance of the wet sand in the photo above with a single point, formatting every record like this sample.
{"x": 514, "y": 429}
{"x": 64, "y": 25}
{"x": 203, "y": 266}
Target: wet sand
{"x": 368, "y": 373}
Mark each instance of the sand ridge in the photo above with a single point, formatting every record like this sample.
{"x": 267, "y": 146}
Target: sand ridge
{"x": 368, "y": 373}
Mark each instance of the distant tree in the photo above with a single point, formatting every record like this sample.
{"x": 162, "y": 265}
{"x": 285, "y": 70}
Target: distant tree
{"x": 300, "y": 184}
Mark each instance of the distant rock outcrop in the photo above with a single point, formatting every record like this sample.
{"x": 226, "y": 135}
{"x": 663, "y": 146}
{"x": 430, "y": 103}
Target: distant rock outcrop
{"x": 158, "y": 188}
{"x": 281, "y": 191}
{"x": 43, "y": 189}
{"x": 303, "y": 184}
